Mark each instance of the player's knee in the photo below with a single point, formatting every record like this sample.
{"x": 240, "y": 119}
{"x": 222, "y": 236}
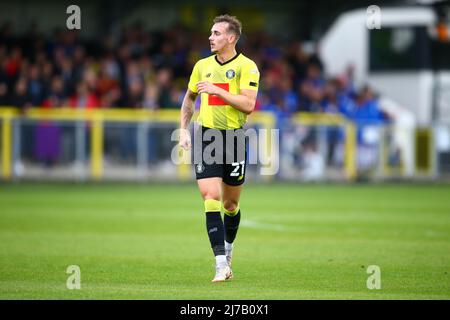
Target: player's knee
{"x": 210, "y": 194}
{"x": 230, "y": 207}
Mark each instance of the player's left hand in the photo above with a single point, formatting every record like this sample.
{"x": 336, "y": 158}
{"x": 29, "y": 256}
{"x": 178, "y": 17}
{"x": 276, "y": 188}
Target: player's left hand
{"x": 207, "y": 87}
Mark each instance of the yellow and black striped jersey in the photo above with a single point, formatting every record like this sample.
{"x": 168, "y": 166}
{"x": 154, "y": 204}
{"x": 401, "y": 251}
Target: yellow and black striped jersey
{"x": 234, "y": 75}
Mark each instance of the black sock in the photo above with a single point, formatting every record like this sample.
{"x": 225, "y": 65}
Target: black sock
{"x": 231, "y": 224}
{"x": 214, "y": 227}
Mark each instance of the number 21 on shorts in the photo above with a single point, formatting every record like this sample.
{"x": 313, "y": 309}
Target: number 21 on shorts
{"x": 237, "y": 166}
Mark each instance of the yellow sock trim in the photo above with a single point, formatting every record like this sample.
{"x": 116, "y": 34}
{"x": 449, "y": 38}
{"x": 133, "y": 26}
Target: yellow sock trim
{"x": 212, "y": 205}
{"x": 231, "y": 213}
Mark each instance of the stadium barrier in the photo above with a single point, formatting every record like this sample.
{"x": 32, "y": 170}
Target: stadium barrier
{"x": 324, "y": 119}
{"x": 96, "y": 119}
{"x": 421, "y": 163}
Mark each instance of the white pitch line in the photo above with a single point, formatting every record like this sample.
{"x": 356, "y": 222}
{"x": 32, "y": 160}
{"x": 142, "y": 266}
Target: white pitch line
{"x": 262, "y": 226}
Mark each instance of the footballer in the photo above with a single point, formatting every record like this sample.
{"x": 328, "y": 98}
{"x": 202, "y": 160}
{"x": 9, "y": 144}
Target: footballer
{"x": 227, "y": 82}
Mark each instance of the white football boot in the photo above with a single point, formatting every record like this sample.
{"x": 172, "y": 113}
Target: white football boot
{"x": 223, "y": 272}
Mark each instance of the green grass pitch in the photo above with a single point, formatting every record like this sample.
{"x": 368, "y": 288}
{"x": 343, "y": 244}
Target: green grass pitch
{"x": 136, "y": 241}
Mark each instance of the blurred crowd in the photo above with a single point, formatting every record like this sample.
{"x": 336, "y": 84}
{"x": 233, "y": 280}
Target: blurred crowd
{"x": 150, "y": 70}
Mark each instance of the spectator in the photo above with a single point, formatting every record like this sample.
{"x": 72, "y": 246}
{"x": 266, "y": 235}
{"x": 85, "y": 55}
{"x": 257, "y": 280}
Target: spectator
{"x": 151, "y": 97}
{"x": 20, "y": 97}
{"x": 4, "y": 86}
{"x": 36, "y": 89}
{"x": 312, "y": 89}
{"x": 166, "y": 99}
{"x": 3, "y": 94}
{"x": 84, "y": 98}
{"x": 367, "y": 115}
{"x": 56, "y": 96}
{"x": 366, "y": 110}
{"x": 331, "y": 104}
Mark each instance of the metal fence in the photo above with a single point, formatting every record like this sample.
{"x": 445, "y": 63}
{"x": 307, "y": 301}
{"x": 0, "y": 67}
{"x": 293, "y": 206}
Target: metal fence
{"x": 138, "y": 145}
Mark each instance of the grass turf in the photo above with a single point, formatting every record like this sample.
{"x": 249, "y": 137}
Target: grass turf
{"x": 295, "y": 242}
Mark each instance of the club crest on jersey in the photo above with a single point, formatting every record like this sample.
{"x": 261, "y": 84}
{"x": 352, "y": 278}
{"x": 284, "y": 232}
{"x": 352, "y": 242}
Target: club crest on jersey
{"x": 230, "y": 74}
{"x": 199, "y": 168}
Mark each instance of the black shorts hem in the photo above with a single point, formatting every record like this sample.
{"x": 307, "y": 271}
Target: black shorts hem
{"x": 206, "y": 177}
{"x": 234, "y": 184}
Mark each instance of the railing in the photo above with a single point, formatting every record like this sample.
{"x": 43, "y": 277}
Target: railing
{"x": 318, "y": 119}
{"x": 97, "y": 118}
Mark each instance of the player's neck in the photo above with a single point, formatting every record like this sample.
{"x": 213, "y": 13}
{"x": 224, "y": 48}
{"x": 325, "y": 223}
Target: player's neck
{"x": 223, "y": 57}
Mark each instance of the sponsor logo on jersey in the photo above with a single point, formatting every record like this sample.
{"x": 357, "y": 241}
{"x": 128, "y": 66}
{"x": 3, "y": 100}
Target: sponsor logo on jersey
{"x": 216, "y": 100}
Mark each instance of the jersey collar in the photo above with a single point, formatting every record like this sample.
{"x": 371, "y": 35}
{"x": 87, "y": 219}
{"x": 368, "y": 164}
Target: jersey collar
{"x": 222, "y": 64}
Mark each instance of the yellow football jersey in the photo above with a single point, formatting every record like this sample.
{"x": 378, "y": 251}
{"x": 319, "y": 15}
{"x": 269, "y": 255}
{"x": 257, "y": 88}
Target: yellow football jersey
{"x": 234, "y": 75}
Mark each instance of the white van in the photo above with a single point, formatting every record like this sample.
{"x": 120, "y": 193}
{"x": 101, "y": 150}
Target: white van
{"x": 403, "y": 60}
{"x": 407, "y": 62}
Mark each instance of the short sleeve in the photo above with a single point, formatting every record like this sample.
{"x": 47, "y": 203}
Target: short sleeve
{"x": 195, "y": 78}
{"x": 249, "y": 76}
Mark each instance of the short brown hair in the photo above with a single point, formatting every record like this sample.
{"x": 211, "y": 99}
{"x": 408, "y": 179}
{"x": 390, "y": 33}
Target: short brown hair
{"x": 234, "y": 25}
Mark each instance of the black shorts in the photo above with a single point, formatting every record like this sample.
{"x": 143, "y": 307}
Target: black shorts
{"x": 226, "y": 159}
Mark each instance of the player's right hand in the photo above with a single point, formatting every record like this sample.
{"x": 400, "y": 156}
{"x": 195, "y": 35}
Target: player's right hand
{"x": 185, "y": 139}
